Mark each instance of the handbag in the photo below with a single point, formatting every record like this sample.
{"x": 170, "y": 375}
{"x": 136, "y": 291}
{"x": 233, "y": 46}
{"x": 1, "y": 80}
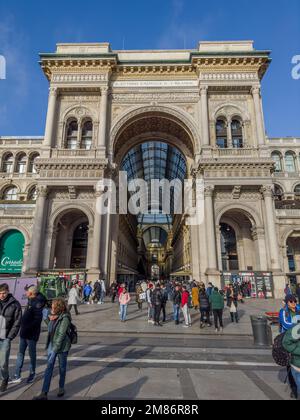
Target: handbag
{"x": 233, "y": 309}
{"x": 142, "y": 296}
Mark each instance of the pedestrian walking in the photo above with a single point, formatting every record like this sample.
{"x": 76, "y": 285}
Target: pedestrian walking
{"x": 58, "y": 345}
{"x": 232, "y": 303}
{"x": 195, "y": 297}
{"x": 204, "y": 308}
{"x": 156, "y": 300}
{"x": 10, "y": 323}
{"x": 185, "y": 307}
{"x": 87, "y": 293}
{"x": 150, "y": 305}
{"x": 30, "y": 333}
{"x": 177, "y": 304}
{"x": 113, "y": 291}
{"x": 97, "y": 292}
{"x": 216, "y": 301}
{"x": 139, "y": 296}
{"x": 124, "y": 300}
{"x": 73, "y": 299}
{"x": 291, "y": 343}
{"x": 103, "y": 292}
{"x": 209, "y": 289}
{"x": 165, "y": 298}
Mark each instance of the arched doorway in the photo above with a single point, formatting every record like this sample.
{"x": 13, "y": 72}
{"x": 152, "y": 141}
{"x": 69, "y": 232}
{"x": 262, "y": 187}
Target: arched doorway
{"x": 12, "y": 245}
{"x": 230, "y": 259}
{"x": 71, "y": 240}
{"x": 153, "y": 146}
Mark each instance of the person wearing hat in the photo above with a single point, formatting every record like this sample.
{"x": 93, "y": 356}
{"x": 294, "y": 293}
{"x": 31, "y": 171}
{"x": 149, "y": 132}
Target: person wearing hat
{"x": 30, "y": 333}
{"x": 291, "y": 343}
{"x": 289, "y": 316}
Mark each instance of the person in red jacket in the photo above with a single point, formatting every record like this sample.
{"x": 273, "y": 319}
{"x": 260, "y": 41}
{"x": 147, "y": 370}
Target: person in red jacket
{"x": 185, "y": 307}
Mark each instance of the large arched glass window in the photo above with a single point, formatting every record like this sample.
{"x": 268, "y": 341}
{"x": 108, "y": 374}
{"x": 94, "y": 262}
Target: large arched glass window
{"x": 21, "y": 164}
{"x": 87, "y": 135}
{"x": 32, "y": 161}
{"x": 221, "y": 132}
{"x": 8, "y": 164}
{"x": 237, "y": 134}
{"x": 290, "y": 165}
{"x": 32, "y": 196}
{"x": 297, "y": 189}
{"x": 11, "y": 194}
{"x": 277, "y": 158}
{"x": 72, "y": 135}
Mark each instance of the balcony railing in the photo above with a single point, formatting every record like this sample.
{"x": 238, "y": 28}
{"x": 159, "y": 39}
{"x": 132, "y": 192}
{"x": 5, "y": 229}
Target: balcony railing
{"x": 234, "y": 152}
{"x": 78, "y": 153}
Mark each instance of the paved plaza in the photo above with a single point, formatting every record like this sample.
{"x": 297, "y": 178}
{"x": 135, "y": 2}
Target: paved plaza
{"x": 135, "y": 360}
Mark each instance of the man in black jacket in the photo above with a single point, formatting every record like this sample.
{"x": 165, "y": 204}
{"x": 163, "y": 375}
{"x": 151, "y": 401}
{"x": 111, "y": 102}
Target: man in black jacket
{"x": 30, "y": 333}
{"x": 10, "y": 322}
{"x": 157, "y": 299}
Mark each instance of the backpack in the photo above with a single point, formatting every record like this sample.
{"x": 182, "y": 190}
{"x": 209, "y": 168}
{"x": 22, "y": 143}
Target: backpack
{"x": 73, "y": 334}
{"x": 280, "y": 355}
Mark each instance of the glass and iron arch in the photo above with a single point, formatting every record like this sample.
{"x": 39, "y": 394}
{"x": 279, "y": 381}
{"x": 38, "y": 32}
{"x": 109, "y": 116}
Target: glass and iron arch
{"x": 87, "y": 135}
{"x": 237, "y": 133}
{"x": 72, "y": 135}
{"x": 221, "y": 133}
{"x": 290, "y": 162}
{"x": 8, "y": 163}
{"x": 10, "y": 193}
{"x": 277, "y": 158}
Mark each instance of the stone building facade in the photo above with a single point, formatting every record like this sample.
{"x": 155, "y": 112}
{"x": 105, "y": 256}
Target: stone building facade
{"x": 204, "y": 105}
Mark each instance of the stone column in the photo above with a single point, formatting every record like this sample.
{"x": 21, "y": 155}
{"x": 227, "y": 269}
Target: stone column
{"x": 271, "y": 228}
{"x": 258, "y": 236}
{"x": 95, "y": 259}
{"x": 210, "y": 231}
{"x": 229, "y": 135}
{"x": 297, "y": 264}
{"x": 204, "y": 116}
{"x": 50, "y": 117}
{"x": 103, "y": 118}
{"x": 258, "y": 116}
{"x": 37, "y": 239}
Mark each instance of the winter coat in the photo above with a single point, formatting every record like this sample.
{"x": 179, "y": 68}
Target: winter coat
{"x": 231, "y": 299}
{"x": 209, "y": 291}
{"x": 103, "y": 287}
{"x": 73, "y": 297}
{"x": 217, "y": 301}
{"x": 58, "y": 334}
{"x": 165, "y": 296}
{"x": 97, "y": 289}
{"x": 124, "y": 298}
{"x": 185, "y": 298}
{"x": 32, "y": 318}
{"x": 287, "y": 319}
{"x": 157, "y": 297}
{"x": 87, "y": 291}
{"x": 291, "y": 343}
{"x": 204, "y": 302}
{"x": 177, "y": 298}
{"x": 138, "y": 292}
{"x": 10, "y": 318}
{"x": 195, "y": 296}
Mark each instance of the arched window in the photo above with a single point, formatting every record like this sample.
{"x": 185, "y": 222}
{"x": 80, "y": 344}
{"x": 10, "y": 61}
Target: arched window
{"x": 297, "y": 189}
{"x": 21, "y": 164}
{"x": 32, "y": 161}
{"x": 277, "y": 157}
{"x": 72, "y": 135}
{"x": 32, "y": 196}
{"x": 237, "y": 134}
{"x": 87, "y": 135}
{"x": 290, "y": 165}
{"x": 11, "y": 194}
{"x": 278, "y": 193}
{"x": 8, "y": 164}
{"x": 221, "y": 132}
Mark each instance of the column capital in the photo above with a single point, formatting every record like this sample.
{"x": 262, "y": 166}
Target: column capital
{"x": 43, "y": 191}
{"x": 209, "y": 191}
{"x": 53, "y": 91}
{"x": 256, "y": 90}
{"x": 203, "y": 89}
{"x": 105, "y": 91}
{"x": 267, "y": 191}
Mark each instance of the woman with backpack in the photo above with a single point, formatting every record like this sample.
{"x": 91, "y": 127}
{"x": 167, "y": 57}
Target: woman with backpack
{"x": 291, "y": 343}
{"x": 58, "y": 345}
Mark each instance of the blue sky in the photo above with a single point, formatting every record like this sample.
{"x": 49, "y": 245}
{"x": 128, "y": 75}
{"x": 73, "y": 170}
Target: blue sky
{"x": 29, "y": 27}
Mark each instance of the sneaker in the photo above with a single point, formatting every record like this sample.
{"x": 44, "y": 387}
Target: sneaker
{"x": 15, "y": 380}
{"x": 185, "y": 326}
{"x": 61, "y": 393}
{"x": 41, "y": 397}
{"x": 31, "y": 378}
{"x": 217, "y": 331}
{"x": 3, "y": 386}
{"x": 221, "y": 330}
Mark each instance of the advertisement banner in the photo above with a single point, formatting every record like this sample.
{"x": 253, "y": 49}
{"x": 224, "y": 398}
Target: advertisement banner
{"x": 11, "y": 256}
{"x": 20, "y": 289}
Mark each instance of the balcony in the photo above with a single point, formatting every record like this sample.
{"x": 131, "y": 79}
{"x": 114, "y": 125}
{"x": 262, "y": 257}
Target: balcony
{"x": 234, "y": 152}
{"x": 77, "y": 153}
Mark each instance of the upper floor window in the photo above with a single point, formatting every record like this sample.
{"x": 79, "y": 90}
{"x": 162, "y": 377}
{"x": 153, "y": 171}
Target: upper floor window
{"x": 87, "y": 135}
{"x": 278, "y": 193}
{"x": 72, "y": 135}
{"x": 290, "y": 165}
{"x": 21, "y": 164}
{"x": 8, "y": 164}
{"x": 32, "y": 196}
{"x": 297, "y": 189}
{"x": 10, "y": 194}
{"x": 32, "y": 161}
{"x": 237, "y": 134}
{"x": 277, "y": 158}
{"x": 221, "y": 131}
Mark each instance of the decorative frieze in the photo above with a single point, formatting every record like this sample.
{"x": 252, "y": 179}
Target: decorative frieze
{"x": 216, "y": 76}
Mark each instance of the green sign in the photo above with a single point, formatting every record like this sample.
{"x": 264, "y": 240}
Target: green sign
{"x": 11, "y": 252}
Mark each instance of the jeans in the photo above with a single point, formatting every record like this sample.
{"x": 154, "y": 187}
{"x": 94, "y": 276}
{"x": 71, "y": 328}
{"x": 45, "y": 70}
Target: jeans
{"x": 157, "y": 311}
{"x": 103, "y": 294}
{"x": 62, "y": 359}
{"x": 187, "y": 315}
{"x": 123, "y": 312}
{"x": 218, "y": 316}
{"x": 150, "y": 312}
{"x": 163, "y": 308}
{"x": 205, "y": 316}
{"x": 234, "y": 316}
{"x": 75, "y": 307}
{"x": 21, "y": 355}
{"x": 5, "y": 346}
{"x": 296, "y": 376}
{"x": 176, "y": 313}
